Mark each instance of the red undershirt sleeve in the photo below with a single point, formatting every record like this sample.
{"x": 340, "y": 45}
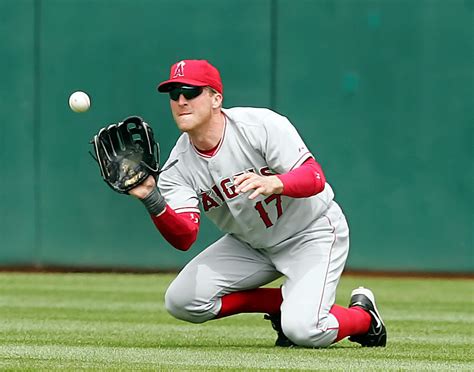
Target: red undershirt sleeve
{"x": 179, "y": 229}
{"x": 306, "y": 180}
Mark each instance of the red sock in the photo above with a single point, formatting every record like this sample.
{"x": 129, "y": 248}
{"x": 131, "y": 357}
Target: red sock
{"x": 352, "y": 321}
{"x": 260, "y": 300}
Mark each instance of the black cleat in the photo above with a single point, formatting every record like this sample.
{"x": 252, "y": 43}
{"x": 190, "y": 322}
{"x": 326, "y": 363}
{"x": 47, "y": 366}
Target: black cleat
{"x": 282, "y": 340}
{"x": 377, "y": 334}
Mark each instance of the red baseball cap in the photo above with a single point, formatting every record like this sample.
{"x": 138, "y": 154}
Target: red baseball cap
{"x": 196, "y": 72}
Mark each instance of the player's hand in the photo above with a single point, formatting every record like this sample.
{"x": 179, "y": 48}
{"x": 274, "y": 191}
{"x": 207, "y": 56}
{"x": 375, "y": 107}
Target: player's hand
{"x": 143, "y": 189}
{"x": 261, "y": 185}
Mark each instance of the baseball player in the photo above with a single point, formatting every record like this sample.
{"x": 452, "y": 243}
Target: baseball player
{"x": 252, "y": 175}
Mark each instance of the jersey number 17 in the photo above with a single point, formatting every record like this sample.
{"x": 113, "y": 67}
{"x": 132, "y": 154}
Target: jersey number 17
{"x": 259, "y": 206}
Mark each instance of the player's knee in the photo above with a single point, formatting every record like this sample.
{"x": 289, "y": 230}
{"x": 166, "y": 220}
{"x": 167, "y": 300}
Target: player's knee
{"x": 179, "y": 304}
{"x": 306, "y": 331}
{"x": 182, "y": 304}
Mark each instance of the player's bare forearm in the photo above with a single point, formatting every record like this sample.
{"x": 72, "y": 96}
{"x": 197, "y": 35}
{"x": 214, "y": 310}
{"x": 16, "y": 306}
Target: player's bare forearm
{"x": 142, "y": 190}
{"x": 261, "y": 185}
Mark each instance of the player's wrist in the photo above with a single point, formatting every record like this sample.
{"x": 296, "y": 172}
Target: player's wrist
{"x": 154, "y": 202}
{"x": 277, "y": 185}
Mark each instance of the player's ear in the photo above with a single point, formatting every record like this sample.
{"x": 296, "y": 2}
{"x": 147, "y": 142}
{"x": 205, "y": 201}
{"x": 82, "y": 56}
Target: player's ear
{"x": 216, "y": 100}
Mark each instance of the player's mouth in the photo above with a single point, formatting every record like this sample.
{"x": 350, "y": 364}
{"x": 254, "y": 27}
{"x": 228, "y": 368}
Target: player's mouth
{"x": 184, "y": 113}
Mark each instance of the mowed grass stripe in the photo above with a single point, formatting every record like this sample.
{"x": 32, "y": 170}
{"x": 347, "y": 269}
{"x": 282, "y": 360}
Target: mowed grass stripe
{"x": 39, "y": 302}
{"x": 19, "y": 324}
{"x": 203, "y": 358}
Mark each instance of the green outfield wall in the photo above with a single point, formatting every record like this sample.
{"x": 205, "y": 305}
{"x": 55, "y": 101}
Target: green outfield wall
{"x": 382, "y": 91}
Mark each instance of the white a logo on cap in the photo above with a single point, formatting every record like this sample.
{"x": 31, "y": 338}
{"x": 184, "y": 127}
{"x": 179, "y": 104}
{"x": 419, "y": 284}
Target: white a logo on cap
{"x": 179, "y": 71}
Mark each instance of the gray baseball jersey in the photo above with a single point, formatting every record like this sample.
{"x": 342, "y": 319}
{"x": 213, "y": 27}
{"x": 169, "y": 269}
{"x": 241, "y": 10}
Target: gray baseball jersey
{"x": 254, "y": 140}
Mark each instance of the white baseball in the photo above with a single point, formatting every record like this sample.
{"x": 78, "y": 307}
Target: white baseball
{"x": 79, "y": 102}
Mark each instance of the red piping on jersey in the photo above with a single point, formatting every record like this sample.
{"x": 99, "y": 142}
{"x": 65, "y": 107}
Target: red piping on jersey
{"x": 327, "y": 270}
{"x": 306, "y": 180}
{"x": 179, "y": 229}
{"x": 208, "y": 153}
{"x": 187, "y": 209}
{"x": 307, "y": 154}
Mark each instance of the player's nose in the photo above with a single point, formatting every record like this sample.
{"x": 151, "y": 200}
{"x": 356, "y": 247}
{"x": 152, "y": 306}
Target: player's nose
{"x": 182, "y": 100}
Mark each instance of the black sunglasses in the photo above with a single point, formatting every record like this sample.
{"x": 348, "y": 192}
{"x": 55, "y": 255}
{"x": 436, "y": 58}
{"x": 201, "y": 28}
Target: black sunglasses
{"x": 189, "y": 92}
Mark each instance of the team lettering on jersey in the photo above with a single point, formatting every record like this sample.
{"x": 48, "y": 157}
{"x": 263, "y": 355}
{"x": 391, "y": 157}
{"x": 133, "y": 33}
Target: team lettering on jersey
{"x": 225, "y": 189}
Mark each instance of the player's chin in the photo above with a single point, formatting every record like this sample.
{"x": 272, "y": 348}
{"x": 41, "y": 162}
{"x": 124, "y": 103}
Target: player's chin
{"x": 185, "y": 124}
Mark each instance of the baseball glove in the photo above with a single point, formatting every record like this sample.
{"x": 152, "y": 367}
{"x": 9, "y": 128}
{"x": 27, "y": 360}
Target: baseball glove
{"x": 126, "y": 153}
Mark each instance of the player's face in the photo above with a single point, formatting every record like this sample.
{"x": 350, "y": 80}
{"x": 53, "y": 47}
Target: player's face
{"x": 192, "y": 107}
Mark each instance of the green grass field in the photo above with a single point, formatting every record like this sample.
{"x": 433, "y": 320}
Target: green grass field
{"x": 118, "y": 322}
